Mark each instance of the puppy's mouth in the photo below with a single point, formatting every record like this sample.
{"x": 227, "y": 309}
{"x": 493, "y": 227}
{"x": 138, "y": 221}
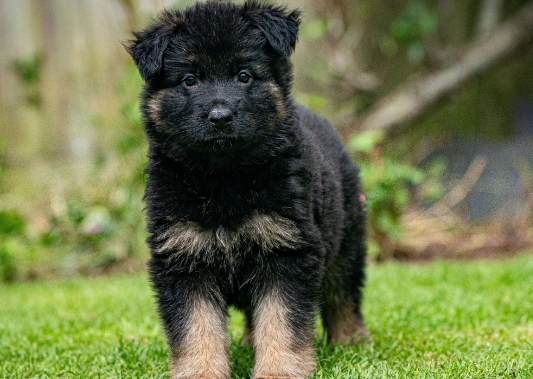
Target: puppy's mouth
{"x": 220, "y": 143}
{"x": 221, "y": 138}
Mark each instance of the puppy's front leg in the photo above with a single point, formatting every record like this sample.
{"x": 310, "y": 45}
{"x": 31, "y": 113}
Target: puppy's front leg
{"x": 195, "y": 320}
{"x": 202, "y": 352}
{"x": 283, "y": 331}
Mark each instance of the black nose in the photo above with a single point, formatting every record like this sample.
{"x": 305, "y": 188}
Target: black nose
{"x": 221, "y": 117}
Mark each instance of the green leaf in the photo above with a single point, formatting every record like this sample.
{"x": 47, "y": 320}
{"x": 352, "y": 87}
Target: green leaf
{"x": 314, "y": 30}
{"x": 28, "y": 69}
{"x": 11, "y": 223}
{"x": 365, "y": 141}
{"x": 427, "y": 23}
{"x": 403, "y": 29}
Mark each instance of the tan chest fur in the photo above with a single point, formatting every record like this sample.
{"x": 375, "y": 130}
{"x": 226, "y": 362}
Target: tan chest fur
{"x": 265, "y": 232}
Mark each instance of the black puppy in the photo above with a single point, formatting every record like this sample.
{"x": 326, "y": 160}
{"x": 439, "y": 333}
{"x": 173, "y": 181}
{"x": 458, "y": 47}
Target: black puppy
{"x": 251, "y": 199}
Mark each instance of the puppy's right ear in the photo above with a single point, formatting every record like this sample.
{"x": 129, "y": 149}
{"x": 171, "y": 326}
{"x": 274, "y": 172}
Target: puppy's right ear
{"x": 148, "y": 48}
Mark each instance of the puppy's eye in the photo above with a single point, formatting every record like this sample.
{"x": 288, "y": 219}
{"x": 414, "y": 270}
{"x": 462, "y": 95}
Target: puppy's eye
{"x": 244, "y": 77}
{"x": 189, "y": 80}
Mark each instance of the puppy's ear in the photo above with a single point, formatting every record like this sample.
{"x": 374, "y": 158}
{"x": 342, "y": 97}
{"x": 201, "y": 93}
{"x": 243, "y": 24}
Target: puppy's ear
{"x": 278, "y": 25}
{"x": 148, "y": 48}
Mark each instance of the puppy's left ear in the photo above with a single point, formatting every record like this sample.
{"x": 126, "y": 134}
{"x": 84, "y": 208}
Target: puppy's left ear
{"x": 278, "y": 25}
{"x": 147, "y": 50}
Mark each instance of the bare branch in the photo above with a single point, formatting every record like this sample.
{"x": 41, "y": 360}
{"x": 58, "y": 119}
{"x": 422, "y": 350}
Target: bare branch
{"x": 463, "y": 188}
{"x": 414, "y": 97}
{"x": 489, "y": 16}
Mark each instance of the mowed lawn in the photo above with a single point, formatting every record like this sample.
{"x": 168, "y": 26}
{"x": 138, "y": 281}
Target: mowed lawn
{"x": 435, "y": 320}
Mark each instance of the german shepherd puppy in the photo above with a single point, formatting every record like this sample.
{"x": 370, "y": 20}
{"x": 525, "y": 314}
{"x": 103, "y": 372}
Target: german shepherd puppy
{"x": 251, "y": 198}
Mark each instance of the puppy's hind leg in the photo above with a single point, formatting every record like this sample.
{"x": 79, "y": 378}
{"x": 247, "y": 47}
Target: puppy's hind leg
{"x": 341, "y": 311}
{"x": 342, "y": 292}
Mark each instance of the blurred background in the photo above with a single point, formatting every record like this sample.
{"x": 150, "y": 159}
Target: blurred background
{"x": 434, "y": 99}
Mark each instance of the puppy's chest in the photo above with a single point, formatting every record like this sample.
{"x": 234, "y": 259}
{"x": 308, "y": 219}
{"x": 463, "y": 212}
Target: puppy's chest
{"x": 221, "y": 198}
{"x": 259, "y": 232}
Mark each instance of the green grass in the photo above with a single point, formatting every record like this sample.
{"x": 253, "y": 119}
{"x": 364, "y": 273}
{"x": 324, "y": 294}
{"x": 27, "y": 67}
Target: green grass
{"x": 440, "y": 320}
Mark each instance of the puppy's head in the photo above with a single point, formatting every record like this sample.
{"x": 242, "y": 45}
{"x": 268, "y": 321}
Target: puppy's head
{"x": 217, "y": 76}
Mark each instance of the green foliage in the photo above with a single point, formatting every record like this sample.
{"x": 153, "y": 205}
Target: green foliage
{"x": 315, "y": 102}
{"x": 365, "y": 142}
{"x": 440, "y": 320}
{"x": 96, "y": 222}
{"x": 417, "y": 22}
{"x": 28, "y": 71}
{"x": 314, "y": 30}
{"x": 388, "y": 184}
{"x": 11, "y": 223}
{"x": 12, "y": 238}
{"x": 102, "y": 225}
{"x": 387, "y": 189}
{"x": 409, "y": 30}
{"x": 131, "y": 138}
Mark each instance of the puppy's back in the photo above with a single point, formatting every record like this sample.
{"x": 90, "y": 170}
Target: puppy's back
{"x": 323, "y": 135}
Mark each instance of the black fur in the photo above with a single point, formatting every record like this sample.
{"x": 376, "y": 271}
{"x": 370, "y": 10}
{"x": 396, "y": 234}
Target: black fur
{"x": 274, "y": 158}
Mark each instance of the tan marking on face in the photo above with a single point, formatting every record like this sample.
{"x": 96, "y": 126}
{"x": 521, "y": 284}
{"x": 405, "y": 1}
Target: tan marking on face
{"x": 203, "y": 353}
{"x": 345, "y": 326}
{"x": 278, "y": 99}
{"x": 154, "y": 105}
{"x": 273, "y": 341}
{"x": 268, "y": 232}
{"x": 154, "y": 108}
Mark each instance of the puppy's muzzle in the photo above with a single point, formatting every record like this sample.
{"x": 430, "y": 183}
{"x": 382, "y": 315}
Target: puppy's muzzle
{"x": 221, "y": 118}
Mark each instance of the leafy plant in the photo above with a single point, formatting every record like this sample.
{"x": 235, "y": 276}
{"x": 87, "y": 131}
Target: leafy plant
{"x": 28, "y": 71}
{"x": 387, "y": 183}
{"x": 93, "y": 224}
{"x": 416, "y": 23}
{"x": 101, "y": 225}
{"x": 12, "y": 228}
